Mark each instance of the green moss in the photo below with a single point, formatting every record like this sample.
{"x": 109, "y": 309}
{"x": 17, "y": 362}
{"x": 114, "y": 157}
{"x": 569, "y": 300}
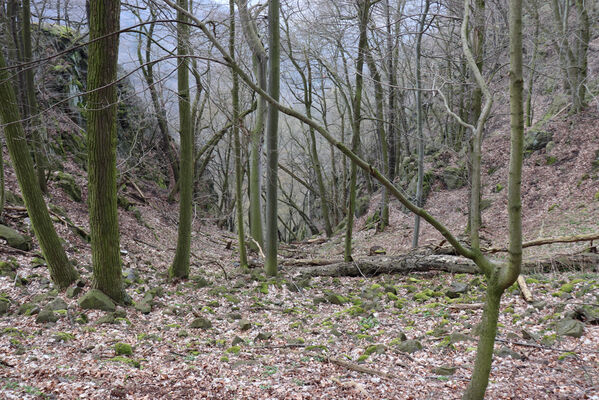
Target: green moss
{"x": 567, "y": 287}
{"x": 124, "y": 360}
{"x": 123, "y": 349}
{"x": 63, "y": 336}
{"x": 233, "y": 350}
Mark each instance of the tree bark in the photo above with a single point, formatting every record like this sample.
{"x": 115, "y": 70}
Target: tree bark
{"x": 363, "y": 10}
{"x": 61, "y": 271}
{"x": 180, "y": 266}
{"x": 272, "y": 127}
{"x": 238, "y": 167}
{"x": 101, "y": 147}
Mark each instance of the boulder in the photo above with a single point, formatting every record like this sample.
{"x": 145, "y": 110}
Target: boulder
{"x": 67, "y": 183}
{"x": 569, "y": 327}
{"x": 96, "y": 300}
{"x": 4, "y": 306}
{"x": 588, "y": 314}
{"x": 456, "y": 289}
{"x": 45, "y": 316}
{"x": 57, "y": 304}
{"x": 15, "y": 239}
{"x": 409, "y": 346}
{"x": 244, "y": 325}
{"x": 444, "y": 370}
{"x": 454, "y": 177}
{"x": 536, "y": 140}
{"x": 201, "y": 323}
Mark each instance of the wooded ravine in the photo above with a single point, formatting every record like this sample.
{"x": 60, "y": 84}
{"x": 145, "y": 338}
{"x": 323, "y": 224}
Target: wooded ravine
{"x": 356, "y": 199}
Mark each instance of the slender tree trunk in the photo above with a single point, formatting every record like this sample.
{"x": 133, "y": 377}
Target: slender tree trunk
{"x": 37, "y": 127}
{"x": 61, "y": 271}
{"x": 363, "y": 9}
{"x": 419, "y": 129}
{"x": 499, "y": 279}
{"x": 2, "y": 192}
{"x": 260, "y": 66}
{"x": 238, "y": 167}
{"x": 272, "y": 127}
{"x": 101, "y": 147}
{"x": 533, "y": 63}
{"x": 180, "y": 266}
{"x": 582, "y": 41}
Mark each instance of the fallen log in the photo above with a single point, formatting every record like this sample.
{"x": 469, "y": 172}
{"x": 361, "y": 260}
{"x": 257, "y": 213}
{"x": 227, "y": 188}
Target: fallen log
{"x": 411, "y": 263}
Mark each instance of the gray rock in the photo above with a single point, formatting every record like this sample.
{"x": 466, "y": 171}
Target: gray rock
{"x": 458, "y": 337}
{"x": 4, "y": 306}
{"x": 588, "y": 314}
{"x": 244, "y": 325}
{"x": 454, "y": 177}
{"x": 143, "y": 307}
{"x": 106, "y": 319}
{"x": 569, "y": 327}
{"x": 409, "y": 346}
{"x": 57, "y": 304}
{"x": 67, "y": 183}
{"x": 74, "y": 291}
{"x": 444, "y": 370}
{"x": 263, "y": 336}
{"x": 96, "y": 300}
{"x": 536, "y": 140}
{"x": 237, "y": 340}
{"x": 45, "y": 316}
{"x": 540, "y": 304}
{"x": 505, "y": 351}
{"x": 15, "y": 239}
{"x": 29, "y": 309}
{"x": 456, "y": 289}
{"x": 201, "y": 323}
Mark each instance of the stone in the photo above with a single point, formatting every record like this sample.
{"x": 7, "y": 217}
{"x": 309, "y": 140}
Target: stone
{"x": 505, "y": 351}
{"x": 46, "y": 316}
{"x": 458, "y": 337}
{"x": 74, "y": 291}
{"x": 106, "y": 319}
{"x": 336, "y": 299}
{"x": 456, "y": 289}
{"x": 569, "y": 327}
{"x": 454, "y": 177}
{"x": 96, "y": 300}
{"x": 539, "y": 304}
{"x": 263, "y": 336}
{"x": 15, "y": 239}
{"x": 536, "y": 140}
{"x": 29, "y": 309}
{"x": 143, "y": 307}
{"x": 244, "y": 324}
{"x": 444, "y": 370}
{"x": 201, "y": 323}
{"x": 57, "y": 304}
{"x": 237, "y": 341}
{"x": 67, "y": 183}
{"x": 8, "y": 269}
{"x": 123, "y": 349}
{"x": 409, "y": 346}
{"x": 588, "y": 314}
{"x": 4, "y": 306}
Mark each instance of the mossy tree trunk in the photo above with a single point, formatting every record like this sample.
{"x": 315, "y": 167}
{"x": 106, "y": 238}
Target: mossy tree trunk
{"x": 180, "y": 266}
{"x": 101, "y": 147}
{"x": 260, "y": 58}
{"x": 243, "y": 262}
{"x": 419, "y": 118}
{"x": 363, "y": 10}
{"x": 37, "y": 128}
{"x": 272, "y": 127}
{"x": 61, "y": 271}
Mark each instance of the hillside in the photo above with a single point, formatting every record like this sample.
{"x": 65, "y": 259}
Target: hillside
{"x": 228, "y": 334}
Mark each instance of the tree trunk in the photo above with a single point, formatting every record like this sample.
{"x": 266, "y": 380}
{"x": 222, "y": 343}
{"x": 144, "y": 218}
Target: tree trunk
{"x": 38, "y": 135}
{"x": 272, "y": 127}
{"x": 419, "y": 123}
{"x": 101, "y": 147}
{"x": 61, "y": 271}
{"x": 238, "y": 167}
{"x": 180, "y": 266}
{"x": 363, "y": 9}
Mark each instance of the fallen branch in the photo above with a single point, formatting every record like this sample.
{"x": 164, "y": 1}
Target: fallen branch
{"x": 526, "y": 295}
{"x": 544, "y": 241}
{"x": 359, "y": 368}
{"x": 12, "y": 250}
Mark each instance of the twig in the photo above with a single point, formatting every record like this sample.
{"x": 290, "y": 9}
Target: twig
{"x": 540, "y": 242}
{"x": 259, "y": 248}
{"x": 474, "y": 306}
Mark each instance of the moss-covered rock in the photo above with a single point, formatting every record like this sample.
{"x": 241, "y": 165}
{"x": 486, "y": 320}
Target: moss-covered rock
{"x": 46, "y": 316}
{"x": 536, "y": 140}
{"x": 15, "y": 239}
{"x": 337, "y": 299}
{"x": 125, "y": 360}
{"x": 57, "y": 304}
{"x": 67, "y": 183}
{"x": 96, "y": 300}
{"x": 4, "y": 306}
{"x": 123, "y": 349}
{"x": 409, "y": 346}
{"x": 244, "y": 324}
{"x": 569, "y": 327}
{"x": 454, "y": 177}
{"x": 201, "y": 323}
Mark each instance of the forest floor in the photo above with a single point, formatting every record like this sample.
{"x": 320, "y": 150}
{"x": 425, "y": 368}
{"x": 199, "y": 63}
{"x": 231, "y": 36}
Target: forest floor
{"x": 323, "y": 338}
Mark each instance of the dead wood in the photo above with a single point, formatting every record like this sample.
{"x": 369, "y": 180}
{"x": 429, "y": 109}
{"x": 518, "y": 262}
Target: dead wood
{"x": 411, "y": 263}
{"x": 359, "y": 368}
